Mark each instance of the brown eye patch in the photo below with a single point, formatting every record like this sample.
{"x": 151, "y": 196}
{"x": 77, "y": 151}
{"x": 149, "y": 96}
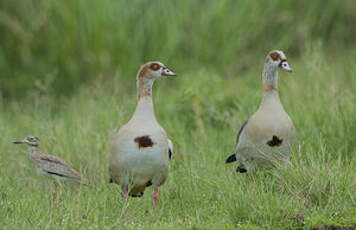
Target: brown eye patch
{"x": 275, "y": 56}
{"x": 155, "y": 66}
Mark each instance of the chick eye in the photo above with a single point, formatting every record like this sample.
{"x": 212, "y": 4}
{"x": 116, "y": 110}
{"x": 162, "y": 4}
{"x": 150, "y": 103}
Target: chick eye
{"x": 154, "y": 67}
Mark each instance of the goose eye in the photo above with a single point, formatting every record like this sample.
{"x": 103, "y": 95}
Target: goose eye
{"x": 154, "y": 67}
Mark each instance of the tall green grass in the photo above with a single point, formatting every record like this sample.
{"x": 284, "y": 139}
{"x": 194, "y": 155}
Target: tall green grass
{"x": 201, "y": 111}
{"x": 58, "y": 45}
{"x": 67, "y": 74}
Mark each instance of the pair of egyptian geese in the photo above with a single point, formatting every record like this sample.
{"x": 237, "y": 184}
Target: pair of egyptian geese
{"x": 140, "y": 150}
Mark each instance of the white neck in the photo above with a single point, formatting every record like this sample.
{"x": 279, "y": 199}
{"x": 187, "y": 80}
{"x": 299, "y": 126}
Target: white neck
{"x": 270, "y": 86}
{"x": 144, "y": 87}
{"x": 270, "y": 78}
{"x": 144, "y": 109}
{"x": 270, "y": 95}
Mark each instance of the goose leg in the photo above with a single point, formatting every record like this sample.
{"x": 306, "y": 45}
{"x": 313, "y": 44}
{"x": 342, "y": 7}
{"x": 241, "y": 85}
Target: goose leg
{"x": 126, "y": 195}
{"x": 156, "y": 197}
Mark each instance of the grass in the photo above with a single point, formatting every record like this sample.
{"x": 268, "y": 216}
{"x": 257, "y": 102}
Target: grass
{"x": 201, "y": 110}
{"x": 68, "y": 76}
{"x": 62, "y": 44}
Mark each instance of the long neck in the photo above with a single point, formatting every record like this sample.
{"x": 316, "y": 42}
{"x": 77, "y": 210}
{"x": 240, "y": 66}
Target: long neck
{"x": 144, "y": 87}
{"x": 144, "y": 108}
{"x": 270, "y": 86}
{"x": 270, "y": 78}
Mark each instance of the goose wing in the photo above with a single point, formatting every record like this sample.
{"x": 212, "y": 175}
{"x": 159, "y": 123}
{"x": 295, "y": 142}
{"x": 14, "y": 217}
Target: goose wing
{"x": 232, "y": 158}
{"x": 170, "y": 149}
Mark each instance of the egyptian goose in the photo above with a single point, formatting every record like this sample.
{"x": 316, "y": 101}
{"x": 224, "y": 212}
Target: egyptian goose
{"x": 140, "y": 150}
{"x": 50, "y": 165}
{"x": 265, "y": 138}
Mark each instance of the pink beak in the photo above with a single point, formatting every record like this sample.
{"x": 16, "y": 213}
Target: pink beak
{"x": 168, "y": 73}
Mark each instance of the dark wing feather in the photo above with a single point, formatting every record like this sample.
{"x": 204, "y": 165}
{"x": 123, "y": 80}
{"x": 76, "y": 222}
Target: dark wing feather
{"x": 232, "y": 158}
{"x": 170, "y": 153}
{"x": 170, "y": 148}
{"x": 241, "y": 129}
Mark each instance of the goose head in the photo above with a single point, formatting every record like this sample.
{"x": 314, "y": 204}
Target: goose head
{"x": 147, "y": 74}
{"x": 153, "y": 70}
{"x": 277, "y": 58}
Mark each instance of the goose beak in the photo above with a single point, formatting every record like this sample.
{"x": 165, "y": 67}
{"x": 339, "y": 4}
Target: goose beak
{"x": 19, "y": 142}
{"x": 285, "y": 66}
{"x": 168, "y": 73}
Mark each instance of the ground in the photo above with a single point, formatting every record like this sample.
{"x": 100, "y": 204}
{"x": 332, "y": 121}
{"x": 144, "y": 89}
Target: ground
{"x": 201, "y": 111}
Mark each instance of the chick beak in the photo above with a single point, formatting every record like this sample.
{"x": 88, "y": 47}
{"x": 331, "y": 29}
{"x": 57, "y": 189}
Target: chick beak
{"x": 19, "y": 142}
{"x": 168, "y": 73}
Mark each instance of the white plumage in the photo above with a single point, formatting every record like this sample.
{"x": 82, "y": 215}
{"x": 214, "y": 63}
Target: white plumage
{"x": 265, "y": 139}
{"x": 139, "y": 154}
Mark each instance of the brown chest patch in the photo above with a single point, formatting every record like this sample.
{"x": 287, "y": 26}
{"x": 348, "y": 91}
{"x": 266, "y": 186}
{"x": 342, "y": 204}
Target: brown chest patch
{"x": 275, "y": 142}
{"x": 144, "y": 142}
{"x": 269, "y": 88}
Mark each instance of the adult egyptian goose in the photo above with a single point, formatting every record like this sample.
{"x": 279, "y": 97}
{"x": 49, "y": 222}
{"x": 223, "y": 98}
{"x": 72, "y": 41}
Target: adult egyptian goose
{"x": 52, "y": 166}
{"x": 265, "y": 138}
{"x": 140, "y": 150}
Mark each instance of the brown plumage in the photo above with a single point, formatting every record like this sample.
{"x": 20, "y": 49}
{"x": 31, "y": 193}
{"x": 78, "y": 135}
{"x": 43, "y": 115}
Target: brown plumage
{"x": 48, "y": 164}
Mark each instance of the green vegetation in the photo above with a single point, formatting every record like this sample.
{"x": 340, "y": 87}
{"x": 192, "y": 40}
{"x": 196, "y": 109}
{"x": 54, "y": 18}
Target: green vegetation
{"x": 68, "y": 75}
{"x": 62, "y": 44}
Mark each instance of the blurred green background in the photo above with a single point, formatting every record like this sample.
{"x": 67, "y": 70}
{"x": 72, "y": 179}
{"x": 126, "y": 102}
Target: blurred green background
{"x": 55, "y": 46}
{"x": 67, "y": 75}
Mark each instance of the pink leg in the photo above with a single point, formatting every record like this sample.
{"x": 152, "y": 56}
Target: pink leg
{"x": 126, "y": 195}
{"x": 156, "y": 198}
